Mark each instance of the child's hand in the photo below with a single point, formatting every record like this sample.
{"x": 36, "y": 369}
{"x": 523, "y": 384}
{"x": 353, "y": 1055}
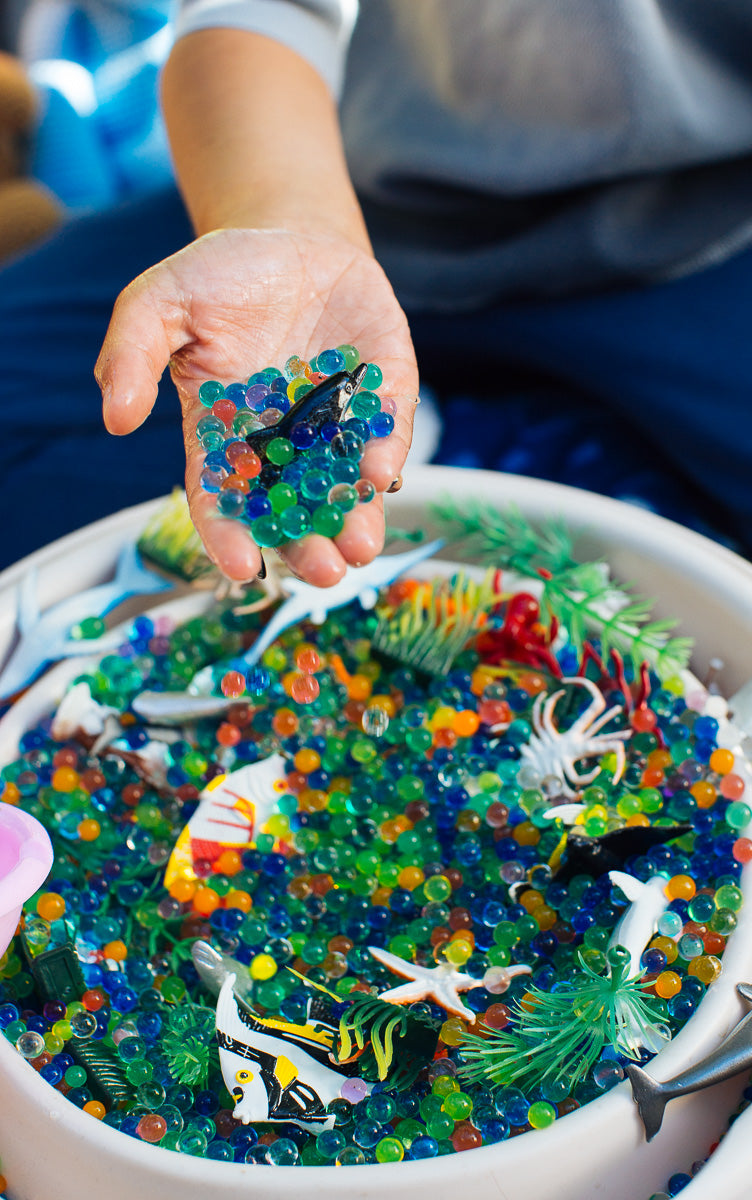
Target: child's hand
{"x": 236, "y": 301}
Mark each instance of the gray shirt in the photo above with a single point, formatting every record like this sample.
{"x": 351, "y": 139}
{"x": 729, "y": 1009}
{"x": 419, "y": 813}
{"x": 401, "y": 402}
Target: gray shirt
{"x": 522, "y": 148}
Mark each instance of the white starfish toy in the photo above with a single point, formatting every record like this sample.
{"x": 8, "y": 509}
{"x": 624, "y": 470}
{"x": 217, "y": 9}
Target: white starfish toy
{"x": 442, "y": 983}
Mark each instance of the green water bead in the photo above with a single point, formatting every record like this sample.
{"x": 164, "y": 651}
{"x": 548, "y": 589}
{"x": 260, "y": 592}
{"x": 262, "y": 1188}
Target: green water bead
{"x": 328, "y": 520}
{"x": 139, "y": 1072}
{"x": 439, "y": 1125}
{"x": 437, "y": 888}
{"x": 443, "y": 1085}
{"x": 390, "y": 1150}
{"x": 738, "y": 815}
{"x": 194, "y": 764}
{"x": 266, "y": 531}
{"x": 365, "y": 404}
{"x": 351, "y": 356}
{"x": 723, "y": 921}
{"x": 729, "y": 896}
{"x": 245, "y": 422}
{"x": 458, "y": 1105}
{"x": 409, "y": 787}
{"x": 541, "y": 1114}
{"x": 373, "y": 377}
{"x": 295, "y": 522}
{"x": 651, "y": 800}
{"x": 210, "y": 392}
{"x": 281, "y": 496}
{"x": 280, "y": 451}
{"x": 344, "y": 496}
{"x": 701, "y": 908}
{"x": 75, "y": 1076}
{"x": 505, "y": 934}
{"x": 315, "y": 484}
{"x": 90, "y": 627}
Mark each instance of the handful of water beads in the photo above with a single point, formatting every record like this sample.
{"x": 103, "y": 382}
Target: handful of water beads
{"x": 283, "y": 450}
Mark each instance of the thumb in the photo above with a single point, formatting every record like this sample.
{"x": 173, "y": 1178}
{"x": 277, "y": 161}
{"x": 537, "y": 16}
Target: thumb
{"x": 148, "y": 325}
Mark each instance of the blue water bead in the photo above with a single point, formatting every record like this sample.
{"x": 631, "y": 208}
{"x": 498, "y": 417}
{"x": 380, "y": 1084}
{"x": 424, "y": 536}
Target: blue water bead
{"x": 52, "y": 1072}
{"x": 367, "y": 1133}
{"x": 705, "y": 729}
{"x": 236, "y": 393}
{"x": 210, "y": 424}
{"x": 303, "y": 435}
{"x": 344, "y": 470}
{"x": 512, "y": 1104}
{"x": 381, "y": 424}
{"x": 348, "y": 444}
{"x": 677, "y": 1183}
{"x": 231, "y": 503}
{"x": 211, "y": 480}
{"x": 216, "y": 461}
{"x": 329, "y": 430}
{"x": 423, "y": 1147}
{"x": 653, "y": 961}
{"x": 357, "y": 426}
{"x": 329, "y": 362}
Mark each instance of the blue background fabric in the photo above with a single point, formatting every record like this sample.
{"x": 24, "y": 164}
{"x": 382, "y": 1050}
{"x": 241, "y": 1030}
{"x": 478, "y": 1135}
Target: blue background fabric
{"x": 641, "y": 394}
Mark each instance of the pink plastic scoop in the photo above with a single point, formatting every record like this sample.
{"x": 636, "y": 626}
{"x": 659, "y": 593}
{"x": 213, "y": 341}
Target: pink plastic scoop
{"x": 25, "y": 861}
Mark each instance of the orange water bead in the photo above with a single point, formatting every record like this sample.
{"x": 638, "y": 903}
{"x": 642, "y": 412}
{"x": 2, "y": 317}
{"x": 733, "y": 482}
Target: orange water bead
{"x": 714, "y": 943}
{"x": 183, "y": 890}
{"x": 526, "y": 834}
{"x": 653, "y": 777}
{"x": 116, "y": 950}
{"x": 465, "y": 1137}
{"x": 94, "y": 999}
{"x": 731, "y": 786}
{"x": 296, "y": 781}
{"x": 660, "y": 759}
{"x": 228, "y": 735}
{"x": 533, "y": 684}
{"x": 307, "y": 658}
{"x": 313, "y": 800}
{"x": 228, "y": 863}
{"x": 480, "y": 680}
{"x": 10, "y": 794}
{"x": 667, "y": 984}
{"x": 65, "y": 779}
{"x": 353, "y": 712}
{"x": 445, "y": 739}
{"x": 401, "y": 590}
{"x": 359, "y": 687}
{"x": 95, "y": 1108}
{"x": 496, "y": 1016}
{"x": 704, "y": 793}
{"x": 89, "y": 830}
{"x": 392, "y": 828}
{"x": 466, "y": 723}
{"x": 531, "y": 899}
{"x": 235, "y": 483}
{"x": 307, "y": 760}
{"x": 340, "y": 944}
{"x": 132, "y": 794}
{"x": 285, "y": 723}
{"x": 439, "y": 935}
{"x": 721, "y": 761}
{"x": 638, "y": 819}
{"x": 387, "y": 703}
{"x": 239, "y": 899}
{"x": 410, "y": 878}
{"x": 546, "y": 917}
{"x": 50, "y": 906}
{"x": 205, "y": 901}
{"x": 321, "y": 884}
{"x": 706, "y": 967}
{"x": 304, "y": 689}
{"x": 681, "y": 887}
{"x": 233, "y": 684}
{"x": 92, "y": 779}
{"x": 380, "y": 896}
{"x": 494, "y": 712}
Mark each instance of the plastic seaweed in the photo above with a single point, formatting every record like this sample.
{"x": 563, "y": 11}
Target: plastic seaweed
{"x": 392, "y": 1043}
{"x": 560, "y": 1035}
{"x": 170, "y": 541}
{"x": 188, "y": 1043}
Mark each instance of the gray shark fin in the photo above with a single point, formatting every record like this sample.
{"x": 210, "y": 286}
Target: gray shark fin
{"x": 650, "y": 1099}
{"x": 745, "y": 991}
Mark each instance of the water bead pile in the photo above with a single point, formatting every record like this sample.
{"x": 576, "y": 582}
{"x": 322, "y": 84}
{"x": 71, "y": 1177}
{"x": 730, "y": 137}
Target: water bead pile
{"x": 404, "y": 821}
{"x": 294, "y": 485}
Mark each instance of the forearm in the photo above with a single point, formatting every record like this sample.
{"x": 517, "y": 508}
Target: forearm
{"x": 255, "y": 137}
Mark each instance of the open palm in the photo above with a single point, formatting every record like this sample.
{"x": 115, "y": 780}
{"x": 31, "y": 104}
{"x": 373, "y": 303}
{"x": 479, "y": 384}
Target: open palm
{"x": 236, "y": 301}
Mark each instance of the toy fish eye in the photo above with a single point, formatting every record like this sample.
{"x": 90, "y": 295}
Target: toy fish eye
{"x": 243, "y": 1076}
{"x": 279, "y": 786}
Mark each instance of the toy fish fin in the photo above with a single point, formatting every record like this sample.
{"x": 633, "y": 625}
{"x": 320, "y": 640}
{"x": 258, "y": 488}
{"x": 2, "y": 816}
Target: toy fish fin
{"x": 650, "y": 1098}
{"x": 284, "y": 616}
{"x": 132, "y": 578}
{"x": 631, "y": 887}
{"x": 27, "y": 607}
{"x": 228, "y": 1018}
{"x": 180, "y": 863}
{"x": 745, "y": 991}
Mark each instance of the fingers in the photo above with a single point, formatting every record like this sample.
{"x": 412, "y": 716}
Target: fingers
{"x": 384, "y": 458}
{"x": 148, "y": 325}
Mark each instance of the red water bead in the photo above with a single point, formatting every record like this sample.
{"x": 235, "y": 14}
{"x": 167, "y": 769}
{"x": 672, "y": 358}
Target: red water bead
{"x": 94, "y": 999}
{"x": 731, "y": 787}
{"x": 742, "y": 850}
{"x": 151, "y": 1128}
{"x": 240, "y": 714}
{"x": 187, "y": 792}
{"x": 644, "y": 720}
{"x": 652, "y": 777}
{"x": 243, "y": 460}
{"x": 353, "y": 712}
{"x": 225, "y": 410}
{"x": 445, "y": 739}
{"x": 466, "y": 1136}
{"x": 440, "y": 934}
{"x": 417, "y": 810}
{"x": 296, "y": 782}
{"x": 66, "y": 757}
{"x": 225, "y": 1123}
{"x": 455, "y": 877}
{"x": 307, "y": 659}
{"x": 340, "y": 944}
{"x": 497, "y": 815}
{"x": 564, "y": 933}
{"x": 304, "y": 689}
{"x": 494, "y": 712}
{"x": 567, "y": 1106}
{"x": 714, "y": 943}
{"x": 268, "y": 1139}
{"x": 92, "y": 780}
{"x": 496, "y": 1016}
{"x": 321, "y": 884}
{"x": 194, "y": 926}
{"x": 132, "y": 794}
{"x": 459, "y": 918}
{"x": 228, "y": 735}
{"x": 233, "y": 684}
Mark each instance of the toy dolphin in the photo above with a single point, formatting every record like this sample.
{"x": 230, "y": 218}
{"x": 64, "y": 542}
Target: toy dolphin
{"x": 732, "y": 1057}
{"x": 275, "y": 1070}
{"x": 46, "y": 638}
{"x": 647, "y": 904}
{"x": 327, "y": 401}
{"x": 230, "y": 810}
{"x": 306, "y": 602}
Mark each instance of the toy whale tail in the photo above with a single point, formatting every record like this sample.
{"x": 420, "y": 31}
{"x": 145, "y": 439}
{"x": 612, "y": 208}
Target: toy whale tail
{"x": 651, "y": 1099}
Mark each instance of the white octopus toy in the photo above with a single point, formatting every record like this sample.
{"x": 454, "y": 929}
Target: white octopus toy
{"x": 555, "y": 752}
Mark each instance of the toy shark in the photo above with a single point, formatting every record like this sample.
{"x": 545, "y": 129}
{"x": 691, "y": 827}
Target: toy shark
{"x": 279, "y": 1071}
{"x": 179, "y": 708}
{"x": 596, "y": 856}
{"x": 230, "y": 810}
{"x": 732, "y": 1057}
{"x": 328, "y": 401}
{"x": 306, "y": 602}
{"x": 45, "y": 638}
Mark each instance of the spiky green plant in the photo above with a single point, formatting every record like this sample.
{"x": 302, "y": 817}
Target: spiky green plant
{"x": 188, "y": 1043}
{"x": 396, "y": 1043}
{"x": 580, "y": 595}
{"x": 560, "y": 1035}
{"x": 170, "y": 541}
{"x": 429, "y": 631}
